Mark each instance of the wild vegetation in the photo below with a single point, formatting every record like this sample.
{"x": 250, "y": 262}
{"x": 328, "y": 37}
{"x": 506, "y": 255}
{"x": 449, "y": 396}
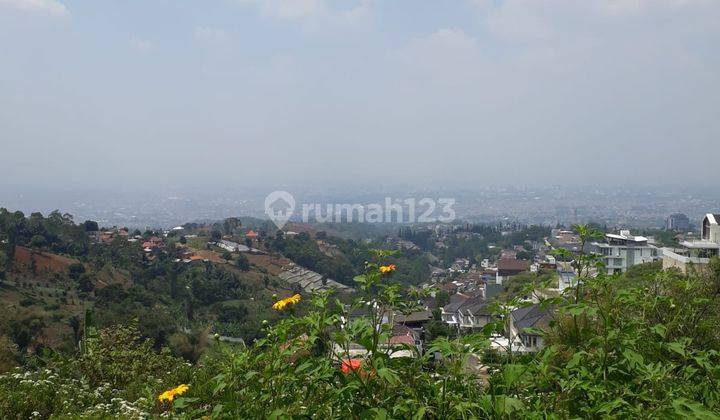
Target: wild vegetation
{"x": 640, "y": 344}
{"x": 140, "y": 338}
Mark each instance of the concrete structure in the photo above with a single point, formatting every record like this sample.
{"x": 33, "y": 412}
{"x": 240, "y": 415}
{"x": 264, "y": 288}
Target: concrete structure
{"x": 677, "y": 222}
{"x": 622, "y": 251}
{"x": 566, "y": 276}
{"x": 309, "y": 280}
{"x": 696, "y": 254}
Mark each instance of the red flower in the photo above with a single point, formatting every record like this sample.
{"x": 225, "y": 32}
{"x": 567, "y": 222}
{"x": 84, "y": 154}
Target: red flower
{"x": 351, "y": 364}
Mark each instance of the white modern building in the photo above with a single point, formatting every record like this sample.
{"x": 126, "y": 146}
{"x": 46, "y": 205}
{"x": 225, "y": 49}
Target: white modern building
{"x": 622, "y": 251}
{"x": 696, "y": 254}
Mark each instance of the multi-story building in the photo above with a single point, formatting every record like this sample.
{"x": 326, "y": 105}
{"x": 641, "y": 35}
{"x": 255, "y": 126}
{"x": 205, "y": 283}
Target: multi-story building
{"x": 697, "y": 253}
{"x": 622, "y": 251}
{"x": 677, "y": 222}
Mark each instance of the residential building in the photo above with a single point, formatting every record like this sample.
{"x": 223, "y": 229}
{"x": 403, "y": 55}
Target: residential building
{"x": 507, "y": 267}
{"x": 619, "y": 252}
{"x": 466, "y": 312}
{"x": 566, "y": 276}
{"x": 696, "y": 253}
{"x": 678, "y": 222}
{"x": 523, "y": 327}
{"x": 450, "y": 311}
{"x": 416, "y": 320}
{"x": 231, "y": 246}
{"x": 474, "y": 313}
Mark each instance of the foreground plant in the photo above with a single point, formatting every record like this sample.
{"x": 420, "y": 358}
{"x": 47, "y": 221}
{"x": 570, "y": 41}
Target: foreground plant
{"x": 170, "y": 394}
{"x": 287, "y": 302}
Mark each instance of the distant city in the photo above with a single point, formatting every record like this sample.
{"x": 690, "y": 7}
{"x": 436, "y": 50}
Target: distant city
{"x": 634, "y": 207}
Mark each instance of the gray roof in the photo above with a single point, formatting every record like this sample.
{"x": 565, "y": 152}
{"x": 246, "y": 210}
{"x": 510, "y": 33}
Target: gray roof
{"x": 414, "y": 317}
{"x": 455, "y": 302}
{"x": 476, "y": 306}
{"x": 532, "y": 316}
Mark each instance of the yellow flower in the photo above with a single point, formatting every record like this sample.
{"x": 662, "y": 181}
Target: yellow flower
{"x": 281, "y": 304}
{"x": 387, "y": 269}
{"x": 170, "y": 394}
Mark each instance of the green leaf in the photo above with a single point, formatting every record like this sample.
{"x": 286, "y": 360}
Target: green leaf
{"x": 507, "y": 405}
{"x": 635, "y": 359}
{"x": 611, "y": 406}
{"x": 420, "y": 414}
{"x": 388, "y": 375}
{"x": 375, "y": 414}
{"x": 677, "y": 347}
{"x": 182, "y": 402}
{"x": 512, "y": 373}
{"x": 660, "y": 330}
{"x": 278, "y": 415}
{"x": 685, "y": 408}
{"x": 575, "y": 360}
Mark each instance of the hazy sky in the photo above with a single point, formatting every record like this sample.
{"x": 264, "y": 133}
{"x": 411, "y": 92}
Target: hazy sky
{"x": 256, "y": 92}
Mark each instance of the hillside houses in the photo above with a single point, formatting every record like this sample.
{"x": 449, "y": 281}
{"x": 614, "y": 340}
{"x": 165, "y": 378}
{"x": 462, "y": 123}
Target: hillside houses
{"x": 467, "y": 312}
{"x": 474, "y": 313}
{"x": 309, "y": 280}
{"x": 231, "y": 246}
{"x": 153, "y": 243}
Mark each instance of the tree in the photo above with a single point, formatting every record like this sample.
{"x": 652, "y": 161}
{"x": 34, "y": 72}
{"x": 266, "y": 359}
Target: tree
{"x": 189, "y": 346}
{"x": 33, "y": 264}
{"x": 85, "y": 283}
{"x": 91, "y": 226}
{"x": 75, "y": 270}
{"x": 38, "y": 241}
{"x": 231, "y": 225}
{"x": 76, "y": 326}
{"x": 442, "y": 298}
{"x": 8, "y": 354}
{"x": 242, "y": 263}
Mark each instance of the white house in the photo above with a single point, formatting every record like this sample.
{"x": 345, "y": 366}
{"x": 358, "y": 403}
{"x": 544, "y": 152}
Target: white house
{"x": 696, "y": 254}
{"x": 622, "y": 251}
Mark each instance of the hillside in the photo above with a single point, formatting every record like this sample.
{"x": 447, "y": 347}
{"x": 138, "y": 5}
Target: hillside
{"x": 620, "y": 348}
{"x": 59, "y": 277}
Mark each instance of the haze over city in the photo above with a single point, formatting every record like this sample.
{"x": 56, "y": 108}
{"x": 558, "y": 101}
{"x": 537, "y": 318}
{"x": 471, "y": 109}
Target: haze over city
{"x": 244, "y": 94}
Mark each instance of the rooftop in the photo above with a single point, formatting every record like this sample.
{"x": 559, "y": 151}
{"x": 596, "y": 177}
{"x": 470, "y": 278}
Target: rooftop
{"x": 700, "y": 244}
{"x": 512, "y": 264}
{"x": 625, "y": 235}
{"x": 532, "y": 316}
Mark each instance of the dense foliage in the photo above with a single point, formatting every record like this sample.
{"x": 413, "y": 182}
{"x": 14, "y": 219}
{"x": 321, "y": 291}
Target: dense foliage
{"x": 48, "y": 285}
{"x": 140, "y": 335}
{"x": 640, "y": 344}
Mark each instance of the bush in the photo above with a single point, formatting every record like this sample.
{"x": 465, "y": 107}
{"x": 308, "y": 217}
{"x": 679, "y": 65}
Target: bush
{"x": 75, "y": 270}
{"x": 242, "y": 263}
